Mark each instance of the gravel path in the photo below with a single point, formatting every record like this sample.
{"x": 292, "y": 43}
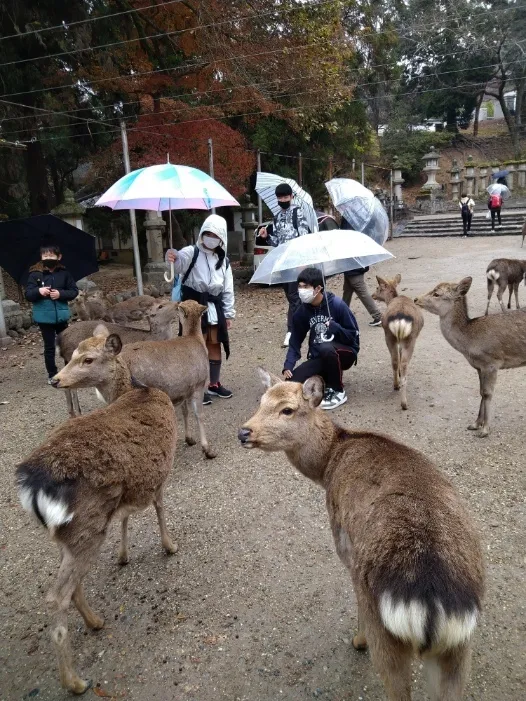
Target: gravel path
{"x": 255, "y": 606}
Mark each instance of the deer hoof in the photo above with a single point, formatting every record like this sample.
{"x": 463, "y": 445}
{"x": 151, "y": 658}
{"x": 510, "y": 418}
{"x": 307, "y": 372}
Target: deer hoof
{"x": 78, "y": 686}
{"x": 209, "y": 453}
{"x": 483, "y": 433}
{"x": 123, "y": 560}
{"x": 473, "y": 427}
{"x": 171, "y": 548}
{"x": 359, "y": 642}
{"x": 96, "y": 623}
{"x": 404, "y": 406}
{"x": 189, "y": 440}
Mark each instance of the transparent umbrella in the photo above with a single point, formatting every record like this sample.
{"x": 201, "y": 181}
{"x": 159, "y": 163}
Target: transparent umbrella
{"x": 498, "y": 189}
{"x": 362, "y": 210}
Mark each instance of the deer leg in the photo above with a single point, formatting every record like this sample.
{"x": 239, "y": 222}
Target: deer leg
{"x": 391, "y": 658}
{"x": 69, "y": 402}
{"x": 480, "y": 418}
{"x": 197, "y": 405}
{"x": 500, "y": 292}
{"x": 124, "y": 556}
{"x": 510, "y": 290}
{"x": 91, "y": 619}
{"x": 359, "y": 642}
{"x": 405, "y": 357}
{"x": 488, "y": 381}
{"x": 76, "y": 403}
{"x": 491, "y": 287}
{"x": 166, "y": 541}
{"x": 190, "y": 440}
{"x": 516, "y": 291}
{"x": 447, "y": 674}
{"x": 392, "y": 345}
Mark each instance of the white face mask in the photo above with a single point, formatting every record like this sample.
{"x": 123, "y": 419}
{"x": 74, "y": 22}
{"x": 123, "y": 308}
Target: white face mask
{"x": 210, "y": 241}
{"x": 307, "y": 294}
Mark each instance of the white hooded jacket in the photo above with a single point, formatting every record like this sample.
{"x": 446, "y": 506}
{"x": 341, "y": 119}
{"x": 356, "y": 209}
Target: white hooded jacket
{"x": 204, "y": 277}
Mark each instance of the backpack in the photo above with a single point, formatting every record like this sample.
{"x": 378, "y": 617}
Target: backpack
{"x": 180, "y": 281}
{"x": 465, "y": 207}
{"x": 494, "y": 201}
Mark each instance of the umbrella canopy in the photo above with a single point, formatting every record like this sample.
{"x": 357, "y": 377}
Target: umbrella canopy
{"x": 498, "y": 189}
{"x": 363, "y": 211}
{"x": 266, "y": 184}
{"x": 333, "y": 251}
{"x": 20, "y": 241}
{"x": 165, "y": 187}
{"x": 500, "y": 174}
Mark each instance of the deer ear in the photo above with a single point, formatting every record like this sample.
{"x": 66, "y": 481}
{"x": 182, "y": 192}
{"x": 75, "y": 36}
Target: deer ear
{"x": 464, "y": 285}
{"x": 313, "y": 391}
{"x": 397, "y": 279}
{"x": 380, "y": 280}
{"x": 203, "y": 309}
{"x": 113, "y": 344}
{"x": 268, "y": 379}
{"x": 101, "y": 330}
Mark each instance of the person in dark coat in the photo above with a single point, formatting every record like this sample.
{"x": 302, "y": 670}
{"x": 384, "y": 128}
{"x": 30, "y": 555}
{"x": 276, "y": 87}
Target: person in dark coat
{"x": 49, "y": 288}
{"x": 334, "y": 338}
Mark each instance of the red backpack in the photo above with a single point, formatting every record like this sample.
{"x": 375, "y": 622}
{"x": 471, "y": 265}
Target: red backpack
{"x": 495, "y": 201}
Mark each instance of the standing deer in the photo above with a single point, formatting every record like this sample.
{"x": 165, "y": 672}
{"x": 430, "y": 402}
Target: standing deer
{"x": 489, "y": 343}
{"x": 399, "y": 527}
{"x": 110, "y": 463}
{"x": 402, "y": 321}
{"x": 505, "y": 272}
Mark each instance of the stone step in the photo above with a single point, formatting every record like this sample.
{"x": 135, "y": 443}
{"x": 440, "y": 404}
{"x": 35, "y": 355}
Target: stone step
{"x": 443, "y": 225}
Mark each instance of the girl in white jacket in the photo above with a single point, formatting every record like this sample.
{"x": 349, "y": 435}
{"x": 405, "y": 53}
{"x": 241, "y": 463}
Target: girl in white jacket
{"x": 207, "y": 278}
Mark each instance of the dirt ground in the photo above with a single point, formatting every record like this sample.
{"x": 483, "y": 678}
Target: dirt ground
{"x": 256, "y": 606}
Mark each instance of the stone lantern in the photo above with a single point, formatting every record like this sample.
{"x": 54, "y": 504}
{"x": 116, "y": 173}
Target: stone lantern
{"x": 431, "y": 169}
{"x": 70, "y": 211}
{"x": 455, "y": 181}
{"x": 398, "y": 181}
{"x": 249, "y": 225}
{"x": 470, "y": 177}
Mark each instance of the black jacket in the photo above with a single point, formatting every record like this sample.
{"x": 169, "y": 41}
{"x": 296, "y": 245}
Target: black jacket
{"x": 59, "y": 279}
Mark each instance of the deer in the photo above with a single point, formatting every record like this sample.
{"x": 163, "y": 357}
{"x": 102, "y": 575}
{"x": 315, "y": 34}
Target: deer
{"x": 412, "y": 551}
{"x": 179, "y": 367}
{"x": 132, "y": 309}
{"x": 162, "y": 317}
{"x": 402, "y": 322}
{"x": 92, "y": 305}
{"x": 505, "y": 272}
{"x": 489, "y": 343}
{"x": 108, "y": 464}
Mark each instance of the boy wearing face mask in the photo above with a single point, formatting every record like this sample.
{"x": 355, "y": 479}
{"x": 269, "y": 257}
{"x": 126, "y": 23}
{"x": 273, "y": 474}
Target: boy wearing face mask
{"x": 207, "y": 279}
{"x": 334, "y": 338}
{"x": 288, "y": 224}
{"x": 50, "y": 287}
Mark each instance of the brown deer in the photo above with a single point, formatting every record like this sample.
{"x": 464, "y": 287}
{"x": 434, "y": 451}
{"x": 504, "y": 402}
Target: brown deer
{"x": 402, "y": 321}
{"x": 399, "y": 527}
{"x": 505, "y": 272}
{"x": 489, "y": 343}
{"x": 110, "y": 463}
{"x": 133, "y": 309}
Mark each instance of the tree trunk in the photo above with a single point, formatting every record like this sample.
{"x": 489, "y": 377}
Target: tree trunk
{"x": 451, "y": 120}
{"x": 511, "y": 123}
{"x": 40, "y": 200}
{"x": 477, "y": 114}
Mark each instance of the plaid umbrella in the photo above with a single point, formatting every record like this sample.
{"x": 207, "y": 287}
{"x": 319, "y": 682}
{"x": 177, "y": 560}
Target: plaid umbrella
{"x": 266, "y": 184}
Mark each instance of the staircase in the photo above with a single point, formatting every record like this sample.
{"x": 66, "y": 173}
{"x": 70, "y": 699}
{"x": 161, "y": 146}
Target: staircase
{"x": 451, "y": 225}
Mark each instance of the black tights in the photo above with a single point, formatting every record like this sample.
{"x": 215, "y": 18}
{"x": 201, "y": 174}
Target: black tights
{"x": 49, "y": 333}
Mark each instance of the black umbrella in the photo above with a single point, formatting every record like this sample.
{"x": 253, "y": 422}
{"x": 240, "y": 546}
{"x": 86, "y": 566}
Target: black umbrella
{"x": 20, "y": 241}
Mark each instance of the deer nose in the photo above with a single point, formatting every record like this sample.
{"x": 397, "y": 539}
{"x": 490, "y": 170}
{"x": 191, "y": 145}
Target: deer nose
{"x": 244, "y": 434}
{"x": 54, "y": 382}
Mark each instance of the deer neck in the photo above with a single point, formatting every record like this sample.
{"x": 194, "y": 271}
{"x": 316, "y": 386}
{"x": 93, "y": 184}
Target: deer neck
{"x": 312, "y": 455}
{"x": 194, "y": 330}
{"x": 389, "y": 295}
{"x": 454, "y": 324}
{"x": 119, "y": 382}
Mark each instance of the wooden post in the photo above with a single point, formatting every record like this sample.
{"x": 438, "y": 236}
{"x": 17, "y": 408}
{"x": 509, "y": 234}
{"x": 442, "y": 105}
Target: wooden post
{"x": 260, "y": 201}
{"x": 300, "y": 169}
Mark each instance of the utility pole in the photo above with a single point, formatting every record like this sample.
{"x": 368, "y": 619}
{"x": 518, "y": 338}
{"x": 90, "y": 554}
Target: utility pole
{"x": 363, "y": 173}
{"x": 211, "y": 163}
{"x": 391, "y": 207}
{"x": 300, "y": 169}
{"x": 260, "y": 201}
{"x": 133, "y": 222}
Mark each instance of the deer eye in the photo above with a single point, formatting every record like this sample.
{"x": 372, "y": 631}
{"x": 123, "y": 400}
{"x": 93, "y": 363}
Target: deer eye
{"x": 87, "y": 361}
{"x": 435, "y": 294}
{"x": 287, "y": 411}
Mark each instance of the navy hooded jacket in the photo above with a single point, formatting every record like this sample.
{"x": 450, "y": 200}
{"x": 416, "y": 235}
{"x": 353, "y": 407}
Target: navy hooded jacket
{"x": 313, "y": 321}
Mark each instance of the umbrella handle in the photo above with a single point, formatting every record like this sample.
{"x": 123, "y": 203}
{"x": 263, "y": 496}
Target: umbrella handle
{"x": 169, "y": 277}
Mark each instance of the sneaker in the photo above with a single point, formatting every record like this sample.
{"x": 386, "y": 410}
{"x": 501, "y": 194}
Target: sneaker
{"x": 50, "y": 380}
{"x": 207, "y": 399}
{"x": 219, "y": 391}
{"x": 286, "y": 340}
{"x": 375, "y": 322}
{"x": 333, "y": 399}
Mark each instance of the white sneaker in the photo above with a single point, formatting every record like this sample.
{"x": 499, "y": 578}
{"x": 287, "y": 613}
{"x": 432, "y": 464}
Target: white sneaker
{"x": 286, "y": 340}
{"x": 333, "y": 399}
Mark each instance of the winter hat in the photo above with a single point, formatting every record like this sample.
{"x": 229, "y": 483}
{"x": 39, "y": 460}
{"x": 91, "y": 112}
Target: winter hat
{"x": 283, "y": 189}
{"x": 215, "y": 225}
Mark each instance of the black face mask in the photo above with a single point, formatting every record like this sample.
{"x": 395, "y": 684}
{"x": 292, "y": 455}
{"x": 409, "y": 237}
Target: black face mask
{"x": 50, "y": 264}
{"x": 284, "y": 205}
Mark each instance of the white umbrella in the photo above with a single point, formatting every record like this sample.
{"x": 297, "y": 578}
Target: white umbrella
{"x": 498, "y": 189}
{"x": 360, "y": 207}
{"x": 166, "y": 187}
{"x": 333, "y": 252}
{"x": 266, "y": 184}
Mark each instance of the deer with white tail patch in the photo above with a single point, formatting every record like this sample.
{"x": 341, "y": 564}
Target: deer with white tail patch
{"x": 400, "y": 528}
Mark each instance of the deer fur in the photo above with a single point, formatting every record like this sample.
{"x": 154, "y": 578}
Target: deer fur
{"x": 179, "y": 367}
{"x": 163, "y": 318}
{"x": 110, "y": 463}
{"x": 402, "y": 321}
{"x": 133, "y": 309}
{"x": 489, "y": 343}
{"x": 505, "y": 272}
{"x": 399, "y": 527}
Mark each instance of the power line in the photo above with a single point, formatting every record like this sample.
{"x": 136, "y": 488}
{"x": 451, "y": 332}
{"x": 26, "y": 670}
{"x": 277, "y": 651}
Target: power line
{"x": 66, "y": 25}
{"x": 160, "y": 35}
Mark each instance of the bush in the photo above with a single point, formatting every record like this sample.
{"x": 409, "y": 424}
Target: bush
{"x": 409, "y": 146}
